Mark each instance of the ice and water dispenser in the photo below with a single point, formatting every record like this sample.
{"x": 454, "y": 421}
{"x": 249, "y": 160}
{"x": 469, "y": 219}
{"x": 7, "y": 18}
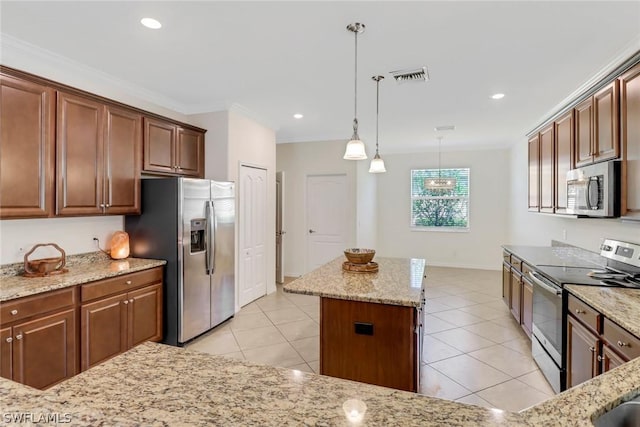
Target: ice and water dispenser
{"x": 197, "y": 235}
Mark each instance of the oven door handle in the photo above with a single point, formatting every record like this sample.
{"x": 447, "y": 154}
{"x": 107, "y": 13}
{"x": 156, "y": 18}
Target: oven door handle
{"x": 543, "y": 285}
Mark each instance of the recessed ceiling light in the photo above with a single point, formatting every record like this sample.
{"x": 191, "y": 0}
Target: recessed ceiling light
{"x": 497, "y": 96}
{"x": 151, "y": 23}
{"x": 298, "y": 116}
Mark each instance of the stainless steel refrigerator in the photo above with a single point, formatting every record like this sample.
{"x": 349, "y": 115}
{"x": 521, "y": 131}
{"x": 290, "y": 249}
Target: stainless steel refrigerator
{"x": 190, "y": 223}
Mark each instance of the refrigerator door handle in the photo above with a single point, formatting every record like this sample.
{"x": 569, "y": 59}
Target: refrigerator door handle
{"x": 214, "y": 229}
{"x": 208, "y": 226}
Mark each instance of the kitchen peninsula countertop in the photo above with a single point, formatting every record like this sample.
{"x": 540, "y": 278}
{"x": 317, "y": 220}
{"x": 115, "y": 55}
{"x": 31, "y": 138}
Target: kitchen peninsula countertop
{"x": 82, "y": 268}
{"x": 398, "y": 282}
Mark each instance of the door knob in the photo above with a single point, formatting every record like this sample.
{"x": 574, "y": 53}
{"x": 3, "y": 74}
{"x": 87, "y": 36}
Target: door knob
{"x": 312, "y": 231}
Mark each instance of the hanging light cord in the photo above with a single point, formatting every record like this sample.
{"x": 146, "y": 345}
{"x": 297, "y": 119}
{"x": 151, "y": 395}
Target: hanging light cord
{"x": 355, "y": 92}
{"x": 377, "y": 110}
{"x": 439, "y": 157}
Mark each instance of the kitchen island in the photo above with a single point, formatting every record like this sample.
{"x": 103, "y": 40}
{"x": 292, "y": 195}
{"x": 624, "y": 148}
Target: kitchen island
{"x": 370, "y": 323}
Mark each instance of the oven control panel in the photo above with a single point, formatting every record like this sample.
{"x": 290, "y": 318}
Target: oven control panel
{"x": 628, "y": 253}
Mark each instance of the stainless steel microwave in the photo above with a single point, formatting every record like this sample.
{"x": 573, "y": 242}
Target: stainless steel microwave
{"x": 594, "y": 190}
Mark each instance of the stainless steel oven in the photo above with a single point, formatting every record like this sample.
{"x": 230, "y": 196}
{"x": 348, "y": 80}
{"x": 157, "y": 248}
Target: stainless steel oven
{"x": 547, "y": 340}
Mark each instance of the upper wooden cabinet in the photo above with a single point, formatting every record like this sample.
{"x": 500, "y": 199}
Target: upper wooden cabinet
{"x": 172, "y": 150}
{"x": 27, "y": 146}
{"x": 547, "y": 168}
{"x": 597, "y": 127}
{"x": 98, "y": 157}
{"x": 630, "y": 141}
{"x": 564, "y": 145}
{"x": 534, "y": 173}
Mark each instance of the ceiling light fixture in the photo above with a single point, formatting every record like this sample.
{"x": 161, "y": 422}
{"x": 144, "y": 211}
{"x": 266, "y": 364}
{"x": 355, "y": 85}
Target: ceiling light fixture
{"x": 298, "y": 116}
{"x": 151, "y": 23}
{"x": 355, "y": 147}
{"x": 440, "y": 183}
{"x": 377, "y": 164}
{"x": 497, "y": 96}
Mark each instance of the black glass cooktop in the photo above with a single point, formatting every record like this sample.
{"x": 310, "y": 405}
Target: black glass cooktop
{"x": 569, "y": 275}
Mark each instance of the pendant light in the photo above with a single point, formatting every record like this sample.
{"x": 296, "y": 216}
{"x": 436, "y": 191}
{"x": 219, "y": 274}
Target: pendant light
{"x": 440, "y": 183}
{"x": 355, "y": 147}
{"x": 377, "y": 164}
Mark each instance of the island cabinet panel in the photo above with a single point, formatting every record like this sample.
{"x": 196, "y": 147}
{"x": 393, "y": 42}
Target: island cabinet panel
{"x": 582, "y": 352}
{"x": 630, "y": 141}
{"x": 369, "y": 342}
{"x": 27, "y": 145}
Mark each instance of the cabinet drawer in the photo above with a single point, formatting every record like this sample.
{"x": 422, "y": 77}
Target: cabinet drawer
{"x": 118, "y": 284}
{"x": 37, "y": 304}
{"x": 622, "y": 341}
{"x": 506, "y": 257}
{"x": 516, "y": 263}
{"x": 526, "y": 268}
{"x": 585, "y": 314}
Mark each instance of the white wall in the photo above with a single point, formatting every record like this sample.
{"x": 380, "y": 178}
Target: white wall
{"x": 478, "y": 248}
{"x": 367, "y": 206}
{"x": 528, "y": 228}
{"x": 74, "y": 235}
{"x": 216, "y": 164}
{"x": 297, "y": 161}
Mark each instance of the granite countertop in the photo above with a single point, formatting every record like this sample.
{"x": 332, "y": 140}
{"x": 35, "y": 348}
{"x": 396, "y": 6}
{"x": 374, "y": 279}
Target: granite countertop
{"x": 82, "y": 268}
{"x": 398, "y": 282}
{"x": 563, "y": 256}
{"x": 622, "y": 305}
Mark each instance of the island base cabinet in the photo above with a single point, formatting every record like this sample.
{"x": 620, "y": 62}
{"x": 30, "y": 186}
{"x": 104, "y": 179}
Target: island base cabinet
{"x": 369, "y": 342}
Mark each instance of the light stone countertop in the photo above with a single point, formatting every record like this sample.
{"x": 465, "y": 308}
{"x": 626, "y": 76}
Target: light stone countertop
{"x": 622, "y": 305}
{"x": 82, "y": 269}
{"x": 398, "y": 281}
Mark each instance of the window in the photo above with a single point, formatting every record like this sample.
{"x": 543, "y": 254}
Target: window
{"x": 443, "y": 209}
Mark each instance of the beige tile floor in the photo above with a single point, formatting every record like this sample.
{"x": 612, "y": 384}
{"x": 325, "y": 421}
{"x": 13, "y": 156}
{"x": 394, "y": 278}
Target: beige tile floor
{"x": 474, "y": 352}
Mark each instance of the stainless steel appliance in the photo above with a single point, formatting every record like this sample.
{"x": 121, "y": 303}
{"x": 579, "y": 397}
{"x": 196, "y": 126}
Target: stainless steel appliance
{"x": 191, "y": 224}
{"x": 620, "y": 267}
{"x": 594, "y": 190}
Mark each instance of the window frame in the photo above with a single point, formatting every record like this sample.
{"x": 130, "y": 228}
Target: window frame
{"x": 445, "y": 229}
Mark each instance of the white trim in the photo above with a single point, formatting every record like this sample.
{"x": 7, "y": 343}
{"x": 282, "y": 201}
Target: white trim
{"x": 250, "y": 114}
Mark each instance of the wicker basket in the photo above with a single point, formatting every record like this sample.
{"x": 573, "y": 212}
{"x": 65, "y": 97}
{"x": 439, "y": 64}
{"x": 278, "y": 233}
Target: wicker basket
{"x": 359, "y": 256}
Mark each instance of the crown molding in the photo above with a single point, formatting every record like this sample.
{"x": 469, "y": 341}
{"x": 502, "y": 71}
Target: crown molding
{"x": 19, "y": 54}
{"x": 250, "y": 114}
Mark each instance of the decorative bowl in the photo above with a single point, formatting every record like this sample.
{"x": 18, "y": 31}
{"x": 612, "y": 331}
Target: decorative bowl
{"x": 359, "y": 256}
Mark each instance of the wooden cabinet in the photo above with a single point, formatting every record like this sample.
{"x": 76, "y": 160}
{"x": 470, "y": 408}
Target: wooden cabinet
{"x": 597, "y": 137}
{"x": 98, "y": 157}
{"x": 38, "y": 340}
{"x": 172, "y": 150}
{"x": 516, "y": 294}
{"x": 506, "y": 284}
{"x": 517, "y": 290}
{"x": 534, "y": 173}
{"x": 610, "y": 359}
{"x": 564, "y": 148}
{"x": 547, "y": 167}
{"x": 582, "y": 353}
{"x": 27, "y": 144}
{"x": 630, "y": 142}
{"x": 117, "y": 314}
{"x": 527, "y": 306}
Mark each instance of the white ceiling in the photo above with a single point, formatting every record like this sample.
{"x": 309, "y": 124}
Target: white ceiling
{"x": 279, "y": 58}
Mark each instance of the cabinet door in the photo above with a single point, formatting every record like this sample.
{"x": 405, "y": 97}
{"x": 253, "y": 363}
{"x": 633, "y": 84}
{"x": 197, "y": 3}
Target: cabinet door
{"x": 190, "y": 153}
{"x": 6, "y": 349}
{"x": 516, "y": 294}
{"x": 527, "y": 306}
{"x": 79, "y": 156}
{"x": 584, "y": 132}
{"x": 145, "y": 315}
{"x": 605, "y": 112}
{"x": 547, "y": 184}
{"x": 630, "y": 141}
{"x": 159, "y": 146}
{"x": 27, "y": 144}
{"x": 534, "y": 174}
{"x": 610, "y": 359}
{"x": 44, "y": 350}
{"x": 123, "y": 152}
{"x": 563, "y": 158}
{"x": 103, "y": 326}
{"x": 582, "y": 349}
{"x": 506, "y": 284}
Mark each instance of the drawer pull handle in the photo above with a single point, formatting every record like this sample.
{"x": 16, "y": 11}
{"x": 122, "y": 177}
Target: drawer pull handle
{"x": 14, "y": 312}
{"x": 578, "y": 311}
{"x": 600, "y": 358}
{"x": 128, "y": 282}
{"x": 9, "y": 339}
{"x": 592, "y": 349}
{"x": 126, "y": 301}
{"x": 623, "y": 344}
{"x": 19, "y": 336}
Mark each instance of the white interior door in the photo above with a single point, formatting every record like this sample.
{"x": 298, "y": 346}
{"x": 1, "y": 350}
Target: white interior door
{"x": 252, "y": 222}
{"x": 279, "y": 231}
{"x": 327, "y": 218}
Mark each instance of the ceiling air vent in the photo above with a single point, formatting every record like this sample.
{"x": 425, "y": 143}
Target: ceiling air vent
{"x": 416, "y": 74}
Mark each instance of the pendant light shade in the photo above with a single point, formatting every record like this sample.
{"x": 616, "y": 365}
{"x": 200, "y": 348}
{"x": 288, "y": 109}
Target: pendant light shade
{"x": 355, "y": 147}
{"x": 377, "y": 164}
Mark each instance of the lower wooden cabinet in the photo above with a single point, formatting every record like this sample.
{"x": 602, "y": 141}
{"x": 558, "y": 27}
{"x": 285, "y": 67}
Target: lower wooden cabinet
{"x": 516, "y": 293}
{"x": 582, "y": 353}
{"x": 114, "y": 324}
{"x": 506, "y": 284}
{"x": 610, "y": 359}
{"x": 527, "y": 306}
